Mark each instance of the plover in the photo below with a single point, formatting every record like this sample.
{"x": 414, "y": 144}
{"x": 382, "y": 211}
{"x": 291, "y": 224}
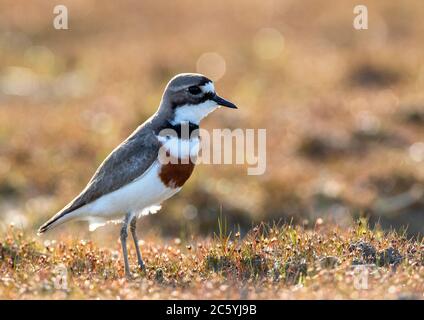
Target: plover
{"x": 133, "y": 180}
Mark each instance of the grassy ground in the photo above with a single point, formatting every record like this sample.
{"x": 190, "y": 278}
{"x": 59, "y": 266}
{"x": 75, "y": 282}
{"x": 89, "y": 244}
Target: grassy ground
{"x": 271, "y": 262}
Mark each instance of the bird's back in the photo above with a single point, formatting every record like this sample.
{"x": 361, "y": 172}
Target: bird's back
{"x": 124, "y": 164}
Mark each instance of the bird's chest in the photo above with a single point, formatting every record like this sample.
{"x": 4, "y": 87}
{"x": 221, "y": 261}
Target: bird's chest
{"x": 177, "y": 158}
{"x": 174, "y": 175}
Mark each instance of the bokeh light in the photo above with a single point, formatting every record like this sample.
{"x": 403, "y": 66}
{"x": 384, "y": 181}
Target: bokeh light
{"x": 212, "y": 65}
{"x": 268, "y": 43}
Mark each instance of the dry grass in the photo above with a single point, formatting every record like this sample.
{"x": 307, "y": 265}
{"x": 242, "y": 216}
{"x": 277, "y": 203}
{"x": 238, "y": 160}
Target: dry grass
{"x": 271, "y": 262}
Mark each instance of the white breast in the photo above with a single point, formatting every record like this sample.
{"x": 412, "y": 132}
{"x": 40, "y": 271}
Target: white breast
{"x": 179, "y": 148}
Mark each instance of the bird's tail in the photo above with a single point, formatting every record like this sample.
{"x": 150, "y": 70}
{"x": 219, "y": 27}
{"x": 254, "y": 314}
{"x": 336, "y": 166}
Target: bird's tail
{"x": 57, "y": 219}
{"x": 47, "y": 226}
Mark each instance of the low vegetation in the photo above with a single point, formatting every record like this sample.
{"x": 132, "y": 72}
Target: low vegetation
{"x": 270, "y": 262}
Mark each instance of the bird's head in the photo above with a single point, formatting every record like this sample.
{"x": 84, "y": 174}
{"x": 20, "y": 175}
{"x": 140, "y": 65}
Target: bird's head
{"x": 191, "y": 97}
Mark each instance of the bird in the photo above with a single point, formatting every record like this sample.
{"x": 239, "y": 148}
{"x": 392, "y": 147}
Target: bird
{"x": 135, "y": 179}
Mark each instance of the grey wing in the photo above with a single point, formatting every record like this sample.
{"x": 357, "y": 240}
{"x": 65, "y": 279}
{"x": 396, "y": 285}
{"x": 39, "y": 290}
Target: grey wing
{"x": 123, "y": 165}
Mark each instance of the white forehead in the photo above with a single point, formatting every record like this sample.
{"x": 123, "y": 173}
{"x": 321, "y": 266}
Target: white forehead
{"x": 208, "y": 87}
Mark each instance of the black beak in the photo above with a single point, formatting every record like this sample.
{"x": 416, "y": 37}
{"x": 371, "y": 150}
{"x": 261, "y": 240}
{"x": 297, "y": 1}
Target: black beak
{"x": 223, "y": 102}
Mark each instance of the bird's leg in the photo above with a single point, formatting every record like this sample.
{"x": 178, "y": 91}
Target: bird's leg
{"x": 133, "y": 226}
{"x": 124, "y": 236}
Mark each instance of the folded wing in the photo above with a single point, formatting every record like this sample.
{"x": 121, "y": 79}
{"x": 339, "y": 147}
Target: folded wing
{"x": 124, "y": 164}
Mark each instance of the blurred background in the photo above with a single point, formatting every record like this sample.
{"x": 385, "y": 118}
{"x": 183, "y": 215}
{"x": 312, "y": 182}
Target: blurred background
{"x": 343, "y": 109}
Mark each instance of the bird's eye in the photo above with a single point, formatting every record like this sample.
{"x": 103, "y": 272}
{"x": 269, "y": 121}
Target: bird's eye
{"x": 194, "y": 90}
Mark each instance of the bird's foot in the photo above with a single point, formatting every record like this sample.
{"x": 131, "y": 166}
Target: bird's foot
{"x": 129, "y": 276}
{"x": 141, "y": 265}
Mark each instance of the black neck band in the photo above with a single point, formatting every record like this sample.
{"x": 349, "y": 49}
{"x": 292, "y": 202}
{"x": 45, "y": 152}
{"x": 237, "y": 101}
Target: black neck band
{"x": 184, "y": 129}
